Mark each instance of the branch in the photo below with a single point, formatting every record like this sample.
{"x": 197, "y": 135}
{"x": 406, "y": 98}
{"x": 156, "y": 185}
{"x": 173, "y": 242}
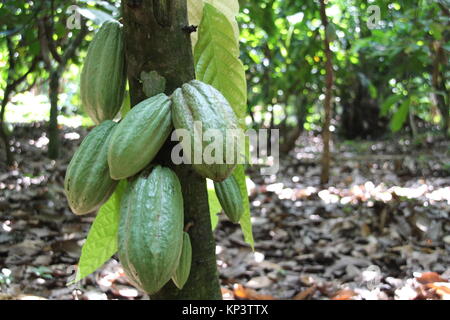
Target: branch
{"x": 29, "y": 87}
{"x": 50, "y": 41}
{"x": 34, "y": 63}
{"x": 44, "y": 45}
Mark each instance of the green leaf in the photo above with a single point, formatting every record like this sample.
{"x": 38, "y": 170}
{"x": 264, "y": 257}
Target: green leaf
{"x": 126, "y": 105}
{"x": 101, "y": 243}
{"x": 217, "y": 59}
{"x": 400, "y": 116}
{"x": 214, "y": 204}
{"x": 217, "y": 63}
{"x": 246, "y": 223}
{"x": 388, "y": 103}
{"x": 230, "y": 8}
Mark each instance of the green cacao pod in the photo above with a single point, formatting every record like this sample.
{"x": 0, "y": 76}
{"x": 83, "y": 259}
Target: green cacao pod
{"x": 230, "y": 198}
{"x": 184, "y": 267}
{"x": 103, "y": 78}
{"x": 139, "y": 136}
{"x": 87, "y": 183}
{"x": 151, "y": 229}
{"x": 199, "y": 103}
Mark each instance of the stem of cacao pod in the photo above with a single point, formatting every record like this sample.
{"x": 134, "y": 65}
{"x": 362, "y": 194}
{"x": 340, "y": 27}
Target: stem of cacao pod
{"x": 155, "y": 41}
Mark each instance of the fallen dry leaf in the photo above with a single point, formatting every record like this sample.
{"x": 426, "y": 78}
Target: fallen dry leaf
{"x": 305, "y": 294}
{"x": 442, "y": 289}
{"x": 242, "y": 292}
{"x": 345, "y": 294}
{"x": 430, "y": 277}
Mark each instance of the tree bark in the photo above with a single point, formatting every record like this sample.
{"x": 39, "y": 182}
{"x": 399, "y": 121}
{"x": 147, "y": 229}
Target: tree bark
{"x": 438, "y": 83}
{"x": 155, "y": 41}
{"x": 326, "y": 134}
{"x": 53, "y": 132}
{"x": 56, "y": 71}
{"x": 3, "y": 134}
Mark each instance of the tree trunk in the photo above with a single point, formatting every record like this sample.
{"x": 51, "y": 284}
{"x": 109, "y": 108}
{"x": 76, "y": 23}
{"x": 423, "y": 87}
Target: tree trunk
{"x": 326, "y": 134}
{"x": 53, "y": 132}
{"x": 438, "y": 82}
{"x": 3, "y": 134}
{"x": 155, "y": 41}
{"x": 292, "y": 136}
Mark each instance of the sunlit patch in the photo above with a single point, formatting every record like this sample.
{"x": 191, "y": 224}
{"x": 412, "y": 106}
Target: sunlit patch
{"x": 275, "y": 188}
{"x": 129, "y": 292}
{"x": 328, "y": 197}
{"x": 259, "y": 257}
{"x": 287, "y": 193}
{"x": 219, "y": 249}
{"x": 256, "y": 203}
{"x": 6, "y": 226}
{"x": 411, "y": 193}
{"x": 72, "y": 136}
{"x": 442, "y": 194}
{"x": 41, "y": 142}
{"x": 314, "y": 217}
{"x": 6, "y": 272}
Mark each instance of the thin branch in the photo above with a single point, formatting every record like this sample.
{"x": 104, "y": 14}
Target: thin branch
{"x": 19, "y": 80}
{"x": 50, "y": 41}
{"x": 44, "y": 45}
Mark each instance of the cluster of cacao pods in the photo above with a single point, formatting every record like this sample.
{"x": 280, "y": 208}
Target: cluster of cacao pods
{"x": 153, "y": 247}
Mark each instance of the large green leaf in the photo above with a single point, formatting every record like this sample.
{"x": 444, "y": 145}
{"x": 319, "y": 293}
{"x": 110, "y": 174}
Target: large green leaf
{"x": 217, "y": 59}
{"x": 230, "y": 8}
{"x": 217, "y": 63}
{"x": 214, "y": 204}
{"x": 388, "y": 103}
{"x": 246, "y": 223}
{"x": 101, "y": 243}
{"x": 400, "y": 116}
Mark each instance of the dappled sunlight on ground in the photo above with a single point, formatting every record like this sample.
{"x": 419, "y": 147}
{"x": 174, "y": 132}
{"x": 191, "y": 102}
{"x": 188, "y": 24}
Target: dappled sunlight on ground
{"x": 27, "y": 107}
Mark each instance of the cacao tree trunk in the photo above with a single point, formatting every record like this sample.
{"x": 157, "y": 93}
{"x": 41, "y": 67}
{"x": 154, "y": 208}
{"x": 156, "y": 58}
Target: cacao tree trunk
{"x": 3, "y": 134}
{"x": 326, "y": 134}
{"x": 155, "y": 41}
{"x": 53, "y": 146}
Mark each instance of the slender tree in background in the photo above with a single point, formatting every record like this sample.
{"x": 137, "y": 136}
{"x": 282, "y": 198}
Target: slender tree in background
{"x": 156, "y": 41}
{"x": 55, "y": 64}
{"x": 13, "y": 81}
{"x": 326, "y": 134}
{"x": 18, "y": 47}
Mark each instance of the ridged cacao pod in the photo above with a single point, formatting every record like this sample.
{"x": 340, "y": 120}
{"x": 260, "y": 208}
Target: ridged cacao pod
{"x": 184, "y": 267}
{"x": 139, "y": 136}
{"x": 103, "y": 78}
{"x": 197, "y": 102}
{"x": 151, "y": 229}
{"x": 87, "y": 183}
{"x": 230, "y": 198}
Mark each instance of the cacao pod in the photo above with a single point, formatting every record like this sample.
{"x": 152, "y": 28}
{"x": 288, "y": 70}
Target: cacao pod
{"x": 87, "y": 183}
{"x": 184, "y": 267}
{"x": 151, "y": 229}
{"x": 197, "y": 102}
{"x": 230, "y": 198}
{"x": 103, "y": 78}
{"x": 139, "y": 136}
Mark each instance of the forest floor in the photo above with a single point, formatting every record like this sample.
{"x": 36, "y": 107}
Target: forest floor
{"x": 381, "y": 230}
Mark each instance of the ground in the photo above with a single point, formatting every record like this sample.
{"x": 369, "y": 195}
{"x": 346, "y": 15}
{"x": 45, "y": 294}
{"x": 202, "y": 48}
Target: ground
{"x": 381, "y": 230}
